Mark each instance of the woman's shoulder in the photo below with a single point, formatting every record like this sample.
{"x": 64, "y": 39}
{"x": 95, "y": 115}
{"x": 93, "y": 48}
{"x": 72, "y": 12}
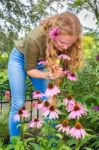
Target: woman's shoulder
{"x": 39, "y": 37}
{"x": 36, "y": 33}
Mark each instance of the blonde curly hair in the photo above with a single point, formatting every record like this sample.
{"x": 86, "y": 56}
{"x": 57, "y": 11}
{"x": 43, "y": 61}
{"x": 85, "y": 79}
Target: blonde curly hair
{"x": 69, "y": 24}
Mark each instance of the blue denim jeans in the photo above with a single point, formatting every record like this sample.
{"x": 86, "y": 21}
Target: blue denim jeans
{"x": 17, "y": 80}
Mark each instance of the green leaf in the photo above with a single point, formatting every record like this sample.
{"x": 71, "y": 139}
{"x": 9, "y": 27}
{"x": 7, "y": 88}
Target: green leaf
{"x": 86, "y": 148}
{"x": 36, "y": 146}
{"x": 59, "y": 135}
{"x": 64, "y": 147}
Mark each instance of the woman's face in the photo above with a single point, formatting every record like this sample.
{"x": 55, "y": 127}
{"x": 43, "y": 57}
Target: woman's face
{"x": 65, "y": 41}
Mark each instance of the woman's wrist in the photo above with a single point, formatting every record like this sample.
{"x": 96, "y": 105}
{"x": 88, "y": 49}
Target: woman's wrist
{"x": 47, "y": 75}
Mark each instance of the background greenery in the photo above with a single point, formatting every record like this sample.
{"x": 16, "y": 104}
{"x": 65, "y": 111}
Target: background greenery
{"x": 18, "y": 17}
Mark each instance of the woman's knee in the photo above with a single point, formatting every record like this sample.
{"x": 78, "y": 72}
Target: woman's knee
{"x": 17, "y": 104}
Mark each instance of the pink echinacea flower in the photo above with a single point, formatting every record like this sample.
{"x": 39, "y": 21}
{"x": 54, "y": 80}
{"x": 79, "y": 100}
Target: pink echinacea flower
{"x": 37, "y": 94}
{"x": 46, "y": 105}
{"x": 77, "y": 111}
{"x": 77, "y": 131}
{"x": 52, "y": 90}
{"x": 51, "y": 113}
{"x": 69, "y": 100}
{"x": 37, "y": 104}
{"x": 64, "y": 56}
{"x": 63, "y": 127}
{"x": 21, "y": 113}
{"x": 54, "y": 32}
{"x": 71, "y": 76}
{"x": 36, "y": 123}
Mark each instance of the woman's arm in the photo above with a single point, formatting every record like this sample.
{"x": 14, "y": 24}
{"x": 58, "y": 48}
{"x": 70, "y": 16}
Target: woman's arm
{"x": 35, "y": 73}
{"x": 31, "y": 56}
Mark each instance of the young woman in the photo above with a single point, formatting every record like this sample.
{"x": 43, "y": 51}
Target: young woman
{"x": 59, "y": 34}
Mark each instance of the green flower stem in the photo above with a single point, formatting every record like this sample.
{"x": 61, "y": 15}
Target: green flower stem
{"x": 21, "y": 130}
{"x": 37, "y": 113}
{"x": 77, "y": 147}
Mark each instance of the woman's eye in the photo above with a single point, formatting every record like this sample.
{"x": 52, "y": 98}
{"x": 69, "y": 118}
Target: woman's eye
{"x": 63, "y": 43}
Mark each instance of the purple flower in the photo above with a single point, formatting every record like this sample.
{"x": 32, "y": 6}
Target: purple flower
{"x": 54, "y": 32}
{"x": 97, "y": 57}
{"x": 96, "y": 108}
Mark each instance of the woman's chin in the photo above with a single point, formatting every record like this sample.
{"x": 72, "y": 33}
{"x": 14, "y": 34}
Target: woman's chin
{"x": 61, "y": 50}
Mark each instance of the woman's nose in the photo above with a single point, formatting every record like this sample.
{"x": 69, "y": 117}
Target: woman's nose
{"x": 65, "y": 46}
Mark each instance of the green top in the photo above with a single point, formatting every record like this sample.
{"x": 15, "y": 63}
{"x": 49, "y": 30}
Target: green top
{"x": 33, "y": 47}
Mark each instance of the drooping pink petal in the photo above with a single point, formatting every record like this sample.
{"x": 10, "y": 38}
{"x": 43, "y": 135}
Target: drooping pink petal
{"x": 64, "y": 56}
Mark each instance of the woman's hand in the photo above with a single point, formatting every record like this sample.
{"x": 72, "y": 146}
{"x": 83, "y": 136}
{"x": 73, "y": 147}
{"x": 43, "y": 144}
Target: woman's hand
{"x": 58, "y": 73}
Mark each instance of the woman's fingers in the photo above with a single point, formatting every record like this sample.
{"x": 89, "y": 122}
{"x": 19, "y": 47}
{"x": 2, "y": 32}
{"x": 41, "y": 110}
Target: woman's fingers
{"x": 58, "y": 73}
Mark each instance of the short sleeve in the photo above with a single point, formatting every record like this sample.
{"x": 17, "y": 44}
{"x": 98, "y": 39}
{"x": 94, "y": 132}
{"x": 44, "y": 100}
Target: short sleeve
{"x": 31, "y": 54}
